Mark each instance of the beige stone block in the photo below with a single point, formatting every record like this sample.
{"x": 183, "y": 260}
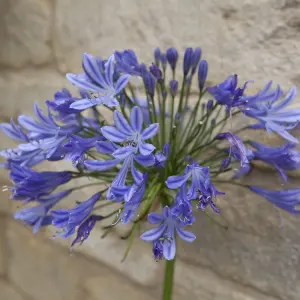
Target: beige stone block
{"x": 7, "y": 292}
{"x": 25, "y": 36}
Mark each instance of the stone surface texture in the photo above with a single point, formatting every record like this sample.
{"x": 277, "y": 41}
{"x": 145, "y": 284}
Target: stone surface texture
{"x": 257, "y": 257}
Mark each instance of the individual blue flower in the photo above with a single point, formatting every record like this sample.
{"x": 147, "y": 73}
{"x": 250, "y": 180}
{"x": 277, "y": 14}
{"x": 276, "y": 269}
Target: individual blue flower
{"x": 238, "y": 150}
{"x": 172, "y": 57}
{"x": 98, "y": 81}
{"x": 69, "y": 219}
{"x": 132, "y": 134}
{"x": 183, "y": 207}
{"x": 201, "y": 181}
{"x": 132, "y": 198}
{"x": 38, "y": 216}
{"x": 156, "y": 72}
{"x": 228, "y": 93}
{"x": 288, "y": 200}
{"x": 165, "y": 232}
{"x": 127, "y": 62}
{"x": 282, "y": 158}
{"x": 85, "y": 228}
{"x": 270, "y": 110}
{"x": 162, "y": 157}
{"x": 77, "y": 146}
{"x": 31, "y": 185}
{"x": 61, "y": 104}
{"x": 187, "y": 60}
{"x": 195, "y": 59}
{"x": 206, "y": 198}
{"x": 202, "y": 74}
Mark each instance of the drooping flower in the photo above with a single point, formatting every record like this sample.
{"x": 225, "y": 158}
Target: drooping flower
{"x": 165, "y": 233}
{"x": 31, "y": 185}
{"x": 200, "y": 183}
{"x": 69, "y": 219}
{"x": 127, "y": 62}
{"x": 132, "y": 134}
{"x": 238, "y": 150}
{"x": 270, "y": 110}
{"x": 228, "y": 93}
{"x": 38, "y": 216}
{"x": 282, "y": 158}
{"x": 288, "y": 200}
{"x": 98, "y": 80}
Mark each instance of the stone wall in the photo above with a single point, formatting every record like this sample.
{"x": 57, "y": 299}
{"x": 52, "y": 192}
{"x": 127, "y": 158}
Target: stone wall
{"x": 255, "y": 258}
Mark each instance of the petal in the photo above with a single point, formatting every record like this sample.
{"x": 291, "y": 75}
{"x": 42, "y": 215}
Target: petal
{"x": 109, "y": 70}
{"x": 91, "y": 68}
{"x": 145, "y": 160}
{"x": 185, "y": 235}
{"x": 137, "y": 175}
{"x": 82, "y": 82}
{"x": 169, "y": 245}
{"x": 85, "y": 103}
{"x": 154, "y": 233}
{"x": 101, "y": 165}
{"x": 155, "y": 218}
{"x": 113, "y": 134}
{"x": 121, "y": 83}
{"x": 136, "y": 119}
{"x": 106, "y": 147}
{"x": 123, "y": 152}
{"x": 122, "y": 124}
{"x": 145, "y": 148}
{"x": 174, "y": 182}
{"x": 150, "y": 131}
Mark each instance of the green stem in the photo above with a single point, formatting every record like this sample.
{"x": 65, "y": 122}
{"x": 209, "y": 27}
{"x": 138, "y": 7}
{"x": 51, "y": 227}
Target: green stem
{"x": 169, "y": 276}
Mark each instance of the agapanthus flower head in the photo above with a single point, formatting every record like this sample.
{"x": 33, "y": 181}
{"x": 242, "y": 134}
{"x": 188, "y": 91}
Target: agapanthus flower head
{"x": 158, "y": 154}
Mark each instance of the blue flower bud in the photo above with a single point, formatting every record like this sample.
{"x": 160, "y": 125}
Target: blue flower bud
{"x": 202, "y": 73}
{"x": 172, "y": 56}
{"x": 209, "y": 105}
{"x": 149, "y": 82}
{"x": 157, "y": 55}
{"x": 163, "y": 59}
{"x": 187, "y": 61}
{"x": 173, "y": 87}
{"x": 195, "y": 59}
{"x": 225, "y": 163}
{"x": 156, "y": 72}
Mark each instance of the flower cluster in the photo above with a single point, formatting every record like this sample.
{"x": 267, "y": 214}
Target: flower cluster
{"x": 146, "y": 141}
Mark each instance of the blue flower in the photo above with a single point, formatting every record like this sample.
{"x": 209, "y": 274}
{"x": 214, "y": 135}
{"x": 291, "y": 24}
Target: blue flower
{"x": 99, "y": 81}
{"x": 200, "y": 180}
{"x": 31, "y": 185}
{"x": 162, "y": 157}
{"x": 172, "y": 57}
{"x": 126, "y": 154}
{"x": 132, "y": 198}
{"x": 202, "y": 73}
{"x": 183, "y": 207}
{"x": 127, "y": 62}
{"x": 61, "y": 104}
{"x": 77, "y": 146}
{"x": 85, "y": 228}
{"x": 227, "y": 93}
{"x": 133, "y": 133}
{"x": 238, "y": 150}
{"x": 37, "y": 216}
{"x": 268, "y": 108}
{"x": 69, "y": 219}
{"x": 165, "y": 233}
{"x": 282, "y": 158}
{"x": 288, "y": 200}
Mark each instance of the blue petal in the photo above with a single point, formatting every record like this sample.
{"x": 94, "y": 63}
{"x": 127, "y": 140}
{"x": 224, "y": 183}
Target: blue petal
{"x": 145, "y": 160}
{"x": 154, "y": 233}
{"x": 113, "y": 134}
{"x": 145, "y": 148}
{"x": 137, "y": 175}
{"x": 106, "y": 147}
{"x": 82, "y": 82}
{"x": 136, "y": 119}
{"x": 123, "y": 152}
{"x": 150, "y": 131}
{"x": 169, "y": 246}
{"x": 185, "y": 235}
{"x": 101, "y": 165}
{"x": 85, "y": 103}
{"x": 174, "y": 182}
{"x": 109, "y": 70}
{"x": 122, "y": 82}
{"x": 155, "y": 218}
{"x": 122, "y": 124}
